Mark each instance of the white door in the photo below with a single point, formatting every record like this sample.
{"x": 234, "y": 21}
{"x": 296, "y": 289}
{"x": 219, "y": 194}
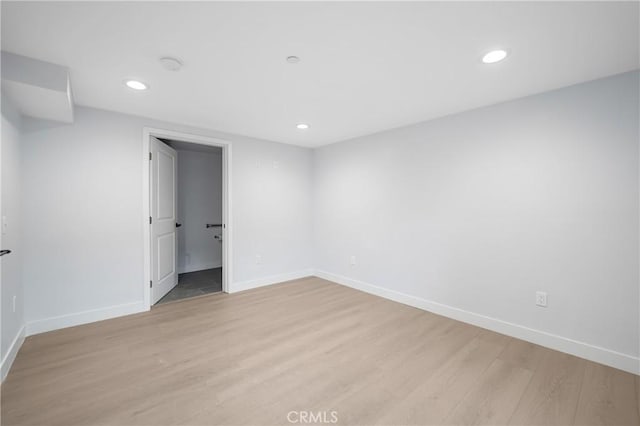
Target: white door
{"x": 164, "y": 165}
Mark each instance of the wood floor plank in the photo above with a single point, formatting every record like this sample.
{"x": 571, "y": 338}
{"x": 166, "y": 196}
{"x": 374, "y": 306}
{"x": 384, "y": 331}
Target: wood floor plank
{"x": 397, "y": 375}
{"x": 607, "y": 397}
{"x": 523, "y": 354}
{"x": 308, "y": 345}
{"x": 493, "y": 337}
{"x": 494, "y": 397}
{"x": 436, "y": 397}
{"x": 552, "y": 395}
{"x": 637, "y": 379}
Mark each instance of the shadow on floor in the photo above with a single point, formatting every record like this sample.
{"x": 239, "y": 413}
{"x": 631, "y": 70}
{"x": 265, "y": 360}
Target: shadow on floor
{"x": 194, "y": 284}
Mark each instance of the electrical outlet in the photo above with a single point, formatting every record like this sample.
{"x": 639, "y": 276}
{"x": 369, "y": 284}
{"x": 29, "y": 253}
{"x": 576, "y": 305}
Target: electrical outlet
{"x": 14, "y": 304}
{"x": 541, "y": 299}
{"x": 258, "y": 259}
{"x": 353, "y": 261}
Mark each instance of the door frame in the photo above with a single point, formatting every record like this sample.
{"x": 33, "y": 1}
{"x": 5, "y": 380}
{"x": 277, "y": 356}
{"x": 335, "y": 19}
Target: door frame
{"x": 227, "y": 234}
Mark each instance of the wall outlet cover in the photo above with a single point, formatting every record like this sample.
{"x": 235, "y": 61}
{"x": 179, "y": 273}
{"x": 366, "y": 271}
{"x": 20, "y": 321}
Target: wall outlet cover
{"x": 541, "y": 299}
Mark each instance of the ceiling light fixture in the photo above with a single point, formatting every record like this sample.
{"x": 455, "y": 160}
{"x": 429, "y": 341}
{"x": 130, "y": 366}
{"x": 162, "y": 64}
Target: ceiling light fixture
{"x": 136, "y": 85}
{"x": 494, "y": 56}
{"x": 170, "y": 64}
{"x": 302, "y": 126}
{"x": 293, "y": 59}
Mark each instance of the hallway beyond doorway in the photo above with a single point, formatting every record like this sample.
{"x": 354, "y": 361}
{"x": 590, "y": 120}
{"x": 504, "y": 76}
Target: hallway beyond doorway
{"x": 196, "y": 283}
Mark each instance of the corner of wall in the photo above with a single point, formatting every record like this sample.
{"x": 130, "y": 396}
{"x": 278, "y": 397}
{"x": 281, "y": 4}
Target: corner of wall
{"x": 10, "y": 356}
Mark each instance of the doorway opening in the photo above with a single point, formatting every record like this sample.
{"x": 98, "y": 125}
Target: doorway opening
{"x": 187, "y": 211}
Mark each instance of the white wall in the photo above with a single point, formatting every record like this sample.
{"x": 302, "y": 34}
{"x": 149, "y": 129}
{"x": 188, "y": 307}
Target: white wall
{"x": 469, "y": 215}
{"x": 83, "y": 248}
{"x": 199, "y": 203}
{"x": 12, "y": 331}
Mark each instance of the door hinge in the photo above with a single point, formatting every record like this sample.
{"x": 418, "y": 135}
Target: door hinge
{"x": 150, "y": 284}
{"x": 150, "y": 220}
{"x": 150, "y": 156}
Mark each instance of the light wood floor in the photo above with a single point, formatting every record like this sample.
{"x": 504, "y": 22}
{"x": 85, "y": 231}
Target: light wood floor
{"x": 306, "y": 345}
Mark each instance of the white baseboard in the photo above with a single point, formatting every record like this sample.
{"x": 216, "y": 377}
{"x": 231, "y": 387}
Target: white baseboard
{"x": 10, "y": 356}
{"x": 70, "y": 320}
{"x": 273, "y": 279}
{"x": 202, "y": 267}
{"x": 580, "y": 349}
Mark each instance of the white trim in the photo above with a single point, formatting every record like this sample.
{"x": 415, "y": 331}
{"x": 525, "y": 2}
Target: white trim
{"x": 70, "y": 320}
{"x": 580, "y": 349}
{"x": 227, "y": 233}
{"x": 199, "y": 267}
{"x": 11, "y": 354}
{"x": 272, "y": 279}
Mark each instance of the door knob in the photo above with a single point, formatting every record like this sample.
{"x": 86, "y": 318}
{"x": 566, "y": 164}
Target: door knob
{"x": 178, "y": 225}
{"x": 3, "y": 252}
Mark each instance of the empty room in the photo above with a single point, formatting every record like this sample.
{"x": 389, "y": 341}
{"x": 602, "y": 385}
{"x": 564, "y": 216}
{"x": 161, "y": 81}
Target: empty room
{"x": 345, "y": 213}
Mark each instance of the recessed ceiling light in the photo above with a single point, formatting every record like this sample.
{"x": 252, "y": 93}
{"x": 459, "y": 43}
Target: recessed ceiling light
{"x": 293, "y": 59}
{"x": 136, "y": 85}
{"x": 171, "y": 64}
{"x": 494, "y": 56}
{"x": 302, "y": 126}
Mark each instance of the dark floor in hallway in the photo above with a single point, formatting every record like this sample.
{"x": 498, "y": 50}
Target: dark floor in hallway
{"x": 195, "y": 283}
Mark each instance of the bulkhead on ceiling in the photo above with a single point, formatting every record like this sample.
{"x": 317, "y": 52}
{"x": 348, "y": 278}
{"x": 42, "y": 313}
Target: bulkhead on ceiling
{"x": 39, "y": 89}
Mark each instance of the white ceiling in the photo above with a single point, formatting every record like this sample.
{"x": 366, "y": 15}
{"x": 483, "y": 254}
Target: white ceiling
{"x": 365, "y": 67}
